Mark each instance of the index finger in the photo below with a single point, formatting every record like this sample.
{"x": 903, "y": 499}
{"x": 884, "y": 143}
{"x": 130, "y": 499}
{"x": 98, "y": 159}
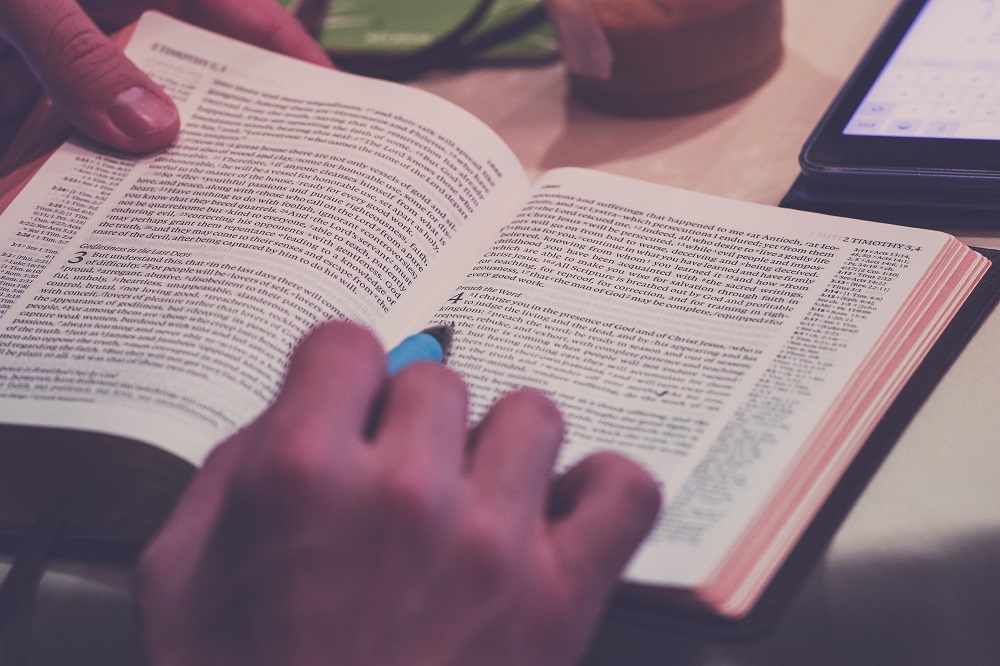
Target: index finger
{"x": 331, "y": 385}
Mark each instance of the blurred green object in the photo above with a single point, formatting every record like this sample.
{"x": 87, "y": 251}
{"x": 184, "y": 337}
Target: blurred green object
{"x": 400, "y": 39}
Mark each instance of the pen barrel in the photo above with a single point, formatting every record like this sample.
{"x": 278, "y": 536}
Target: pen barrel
{"x": 416, "y": 348}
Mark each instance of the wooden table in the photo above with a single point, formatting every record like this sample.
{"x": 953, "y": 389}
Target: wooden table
{"x": 913, "y": 576}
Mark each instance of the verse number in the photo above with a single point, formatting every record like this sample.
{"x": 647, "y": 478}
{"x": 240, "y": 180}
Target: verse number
{"x": 457, "y": 297}
{"x": 77, "y": 258}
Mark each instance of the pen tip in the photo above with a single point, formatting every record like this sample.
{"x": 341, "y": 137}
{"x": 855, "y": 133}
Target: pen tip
{"x": 443, "y": 334}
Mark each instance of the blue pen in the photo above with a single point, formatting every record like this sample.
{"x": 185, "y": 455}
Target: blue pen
{"x": 431, "y": 344}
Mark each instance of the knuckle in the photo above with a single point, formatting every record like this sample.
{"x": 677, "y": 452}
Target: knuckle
{"x": 78, "y": 47}
{"x": 291, "y": 463}
{"x": 410, "y": 500}
{"x": 489, "y": 555}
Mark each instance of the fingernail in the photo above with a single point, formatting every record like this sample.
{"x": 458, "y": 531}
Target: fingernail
{"x": 137, "y": 112}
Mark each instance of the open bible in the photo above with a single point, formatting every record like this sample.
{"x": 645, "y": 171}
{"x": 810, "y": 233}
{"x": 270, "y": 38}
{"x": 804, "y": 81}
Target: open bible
{"x": 742, "y": 353}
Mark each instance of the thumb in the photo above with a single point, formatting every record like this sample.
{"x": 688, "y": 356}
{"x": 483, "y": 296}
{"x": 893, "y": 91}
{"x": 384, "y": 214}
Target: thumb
{"x": 100, "y": 91}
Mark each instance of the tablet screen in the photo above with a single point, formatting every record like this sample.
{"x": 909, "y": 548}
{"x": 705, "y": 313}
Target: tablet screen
{"x": 942, "y": 81}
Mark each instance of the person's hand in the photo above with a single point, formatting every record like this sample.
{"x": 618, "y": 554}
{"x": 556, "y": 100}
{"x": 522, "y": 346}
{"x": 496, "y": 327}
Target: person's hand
{"x": 304, "y": 541}
{"x": 60, "y": 46}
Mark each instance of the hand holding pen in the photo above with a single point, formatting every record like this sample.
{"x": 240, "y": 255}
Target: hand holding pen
{"x": 303, "y": 541}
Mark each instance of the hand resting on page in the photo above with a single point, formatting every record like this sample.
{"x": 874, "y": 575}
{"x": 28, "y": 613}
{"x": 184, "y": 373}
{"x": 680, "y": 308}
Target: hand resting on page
{"x": 305, "y": 541}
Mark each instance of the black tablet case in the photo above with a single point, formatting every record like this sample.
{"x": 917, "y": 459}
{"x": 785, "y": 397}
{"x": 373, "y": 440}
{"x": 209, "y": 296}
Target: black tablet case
{"x": 930, "y": 208}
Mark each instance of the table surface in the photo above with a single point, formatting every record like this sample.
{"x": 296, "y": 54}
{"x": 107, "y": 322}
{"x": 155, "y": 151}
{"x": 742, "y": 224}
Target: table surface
{"x": 912, "y": 576}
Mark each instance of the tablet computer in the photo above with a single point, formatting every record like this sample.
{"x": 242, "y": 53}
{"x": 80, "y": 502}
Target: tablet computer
{"x": 922, "y": 109}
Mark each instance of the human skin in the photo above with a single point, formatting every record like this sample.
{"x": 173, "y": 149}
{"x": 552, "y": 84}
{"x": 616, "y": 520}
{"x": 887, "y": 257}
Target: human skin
{"x": 305, "y": 539}
{"x": 61, "y": 47}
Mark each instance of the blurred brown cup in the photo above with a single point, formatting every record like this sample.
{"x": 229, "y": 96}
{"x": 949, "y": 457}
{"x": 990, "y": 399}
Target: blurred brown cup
{"x": 662, "y": 57}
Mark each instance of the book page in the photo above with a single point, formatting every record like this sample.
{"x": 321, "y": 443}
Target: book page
{"x": 702, "y": 337}
{"x": 160, "y": 296}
